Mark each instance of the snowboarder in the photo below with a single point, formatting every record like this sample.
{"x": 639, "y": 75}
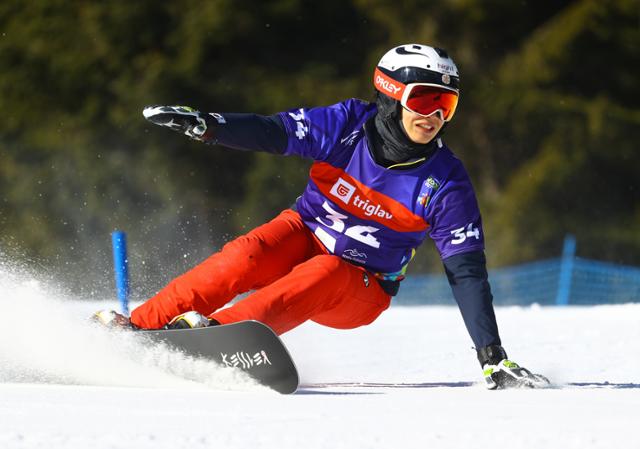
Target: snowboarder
{"x": 382, "y": 180}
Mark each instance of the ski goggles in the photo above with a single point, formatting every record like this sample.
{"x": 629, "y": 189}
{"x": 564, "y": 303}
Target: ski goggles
{"x": 422, "y": 98}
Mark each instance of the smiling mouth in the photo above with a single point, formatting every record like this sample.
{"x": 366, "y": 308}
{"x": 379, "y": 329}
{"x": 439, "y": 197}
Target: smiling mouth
{"x": 426, "y": 127}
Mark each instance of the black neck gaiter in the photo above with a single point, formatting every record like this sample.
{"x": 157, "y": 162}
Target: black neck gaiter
{"x": 390, "y": 141}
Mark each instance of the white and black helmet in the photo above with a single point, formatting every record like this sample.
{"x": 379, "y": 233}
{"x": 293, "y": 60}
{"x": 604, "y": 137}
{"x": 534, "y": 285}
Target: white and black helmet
{"x": 419, "y": 78}
{"x": 415, "y": 63}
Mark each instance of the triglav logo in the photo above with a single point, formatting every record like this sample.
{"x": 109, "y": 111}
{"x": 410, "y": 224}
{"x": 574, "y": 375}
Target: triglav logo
{"x": 343, "y": 190}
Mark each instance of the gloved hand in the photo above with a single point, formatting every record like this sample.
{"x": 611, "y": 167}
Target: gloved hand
{"x": 181, "y": 119}
{"x": 112, "y": 319}
{"x": 190, "y": 320}
{"x": 500, "y": 372}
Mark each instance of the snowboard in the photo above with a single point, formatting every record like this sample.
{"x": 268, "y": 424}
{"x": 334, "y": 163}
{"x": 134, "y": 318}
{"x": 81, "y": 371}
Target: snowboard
{"x": 247, "y": 345}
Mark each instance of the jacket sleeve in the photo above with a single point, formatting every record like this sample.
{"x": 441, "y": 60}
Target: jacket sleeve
{"x": 312, "y": 133}
{"x": 250, "y": 132}
{"x": 467, "y": 275}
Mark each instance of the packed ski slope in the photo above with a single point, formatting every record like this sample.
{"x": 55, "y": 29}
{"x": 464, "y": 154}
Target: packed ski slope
{"x": 65, "y": 384}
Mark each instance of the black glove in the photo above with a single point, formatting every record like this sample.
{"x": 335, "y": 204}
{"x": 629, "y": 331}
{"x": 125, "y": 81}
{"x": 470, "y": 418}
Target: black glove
{"x": 500, "y": 372}
{"x": 182, "y": 119}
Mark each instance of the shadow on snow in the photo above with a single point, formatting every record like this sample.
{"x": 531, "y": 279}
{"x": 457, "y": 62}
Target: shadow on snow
{"x": 337, "y": 388}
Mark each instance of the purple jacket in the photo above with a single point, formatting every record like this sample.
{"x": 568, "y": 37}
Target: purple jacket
{"x": 371, "y": 215}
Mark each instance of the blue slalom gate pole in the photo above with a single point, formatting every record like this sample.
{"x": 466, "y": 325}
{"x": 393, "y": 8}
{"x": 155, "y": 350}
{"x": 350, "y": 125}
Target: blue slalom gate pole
{"x": 566, "y": 270}
{"x": 121, "y": 269}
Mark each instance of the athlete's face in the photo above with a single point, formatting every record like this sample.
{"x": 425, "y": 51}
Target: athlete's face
{"x": 419, "y": 128}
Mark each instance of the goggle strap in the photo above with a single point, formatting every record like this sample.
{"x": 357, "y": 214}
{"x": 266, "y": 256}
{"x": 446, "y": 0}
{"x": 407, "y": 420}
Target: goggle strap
{"x": 388, "y": 85}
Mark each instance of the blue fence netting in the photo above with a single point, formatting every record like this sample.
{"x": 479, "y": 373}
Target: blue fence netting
{"x": 584, "y": 282}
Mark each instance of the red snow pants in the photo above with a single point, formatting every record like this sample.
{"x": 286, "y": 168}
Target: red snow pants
{"x": 292, "y": 278}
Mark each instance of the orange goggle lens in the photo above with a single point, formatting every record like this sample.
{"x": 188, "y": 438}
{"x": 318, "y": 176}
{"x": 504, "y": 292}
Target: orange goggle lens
{"x": 425, "y": 100}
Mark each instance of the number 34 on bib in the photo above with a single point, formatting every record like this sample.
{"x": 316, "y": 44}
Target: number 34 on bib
{"x": 461, "y": 234}
{"x": 363, "y": 234}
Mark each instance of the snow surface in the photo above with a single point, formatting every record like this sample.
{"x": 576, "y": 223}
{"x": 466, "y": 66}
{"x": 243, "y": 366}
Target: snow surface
{"x": 67, "y": 384}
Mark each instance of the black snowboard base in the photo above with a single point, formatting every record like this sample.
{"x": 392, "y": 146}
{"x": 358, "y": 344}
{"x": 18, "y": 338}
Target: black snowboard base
{"x": 247, "y": 345}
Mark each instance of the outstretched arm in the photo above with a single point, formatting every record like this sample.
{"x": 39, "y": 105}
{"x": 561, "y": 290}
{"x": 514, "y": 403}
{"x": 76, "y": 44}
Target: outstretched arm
{"x": 251, "y": 132}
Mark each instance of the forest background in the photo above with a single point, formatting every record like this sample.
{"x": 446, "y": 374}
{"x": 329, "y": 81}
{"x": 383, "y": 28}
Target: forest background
{"x": 548, "y": 124}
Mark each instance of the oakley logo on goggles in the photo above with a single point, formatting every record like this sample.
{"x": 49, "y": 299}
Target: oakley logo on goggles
{"x": 421, "y": 98}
